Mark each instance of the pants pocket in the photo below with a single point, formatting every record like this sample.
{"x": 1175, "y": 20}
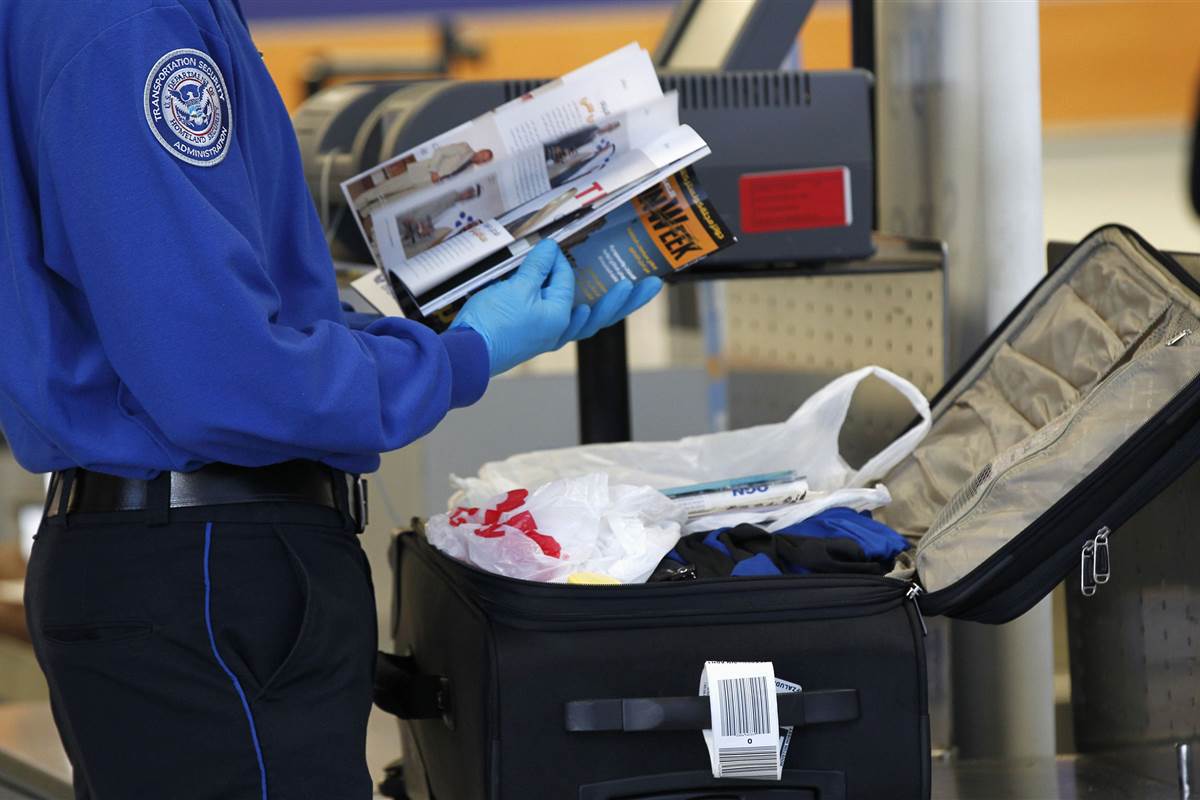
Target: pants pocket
{"x": 96, "y": 632}
{"x": 259, "y": 599}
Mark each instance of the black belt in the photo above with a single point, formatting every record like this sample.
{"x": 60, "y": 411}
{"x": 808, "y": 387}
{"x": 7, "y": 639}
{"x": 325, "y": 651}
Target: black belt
{"x": 76, "y": 491}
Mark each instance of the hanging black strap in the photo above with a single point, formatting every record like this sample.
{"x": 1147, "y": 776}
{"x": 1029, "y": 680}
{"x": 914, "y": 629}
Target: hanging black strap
{"x": 403, "y": 690}
{"x": 693, "y": 713}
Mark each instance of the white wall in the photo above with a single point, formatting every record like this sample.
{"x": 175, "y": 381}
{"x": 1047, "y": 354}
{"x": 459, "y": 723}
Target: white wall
{"x": 1133, "y": 175}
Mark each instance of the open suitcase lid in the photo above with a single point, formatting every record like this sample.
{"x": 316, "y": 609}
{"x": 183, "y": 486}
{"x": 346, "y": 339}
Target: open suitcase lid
{"x": 1076, "y": 412}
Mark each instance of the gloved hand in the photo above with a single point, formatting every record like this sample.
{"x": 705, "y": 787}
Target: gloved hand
{"x": 517, "y": 316}
{"x": 617, "y": 303}
{"x": 527, "y": 313}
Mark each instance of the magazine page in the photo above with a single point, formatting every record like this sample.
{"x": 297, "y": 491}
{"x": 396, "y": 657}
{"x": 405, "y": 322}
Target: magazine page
{"x": 430, "y": 269}
{"x": 373, "y": 287}
{"x": 491, "y": 268}
{"x": 590, "y": 96}
{"x": 586, "y": 165}
{"x": 468, "y": 159}
{"x": 415, "y": 223}
{"x": 666, "y": 227}
{"x": 500, "y": 152}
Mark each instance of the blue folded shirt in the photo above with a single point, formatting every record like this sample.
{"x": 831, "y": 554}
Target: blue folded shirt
{"x": 877, "y": 540}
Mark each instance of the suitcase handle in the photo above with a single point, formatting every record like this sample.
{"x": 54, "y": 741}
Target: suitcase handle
{"x": 693, "y": 714}
{"x": 401, "y": 689}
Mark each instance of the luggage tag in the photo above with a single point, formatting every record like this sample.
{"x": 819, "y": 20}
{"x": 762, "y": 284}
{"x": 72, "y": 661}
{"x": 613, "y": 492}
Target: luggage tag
{"x": 744, "y": 740}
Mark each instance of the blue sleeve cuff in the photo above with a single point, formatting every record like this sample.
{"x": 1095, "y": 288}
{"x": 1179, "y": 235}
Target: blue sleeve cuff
{"x": 469, "y": 365}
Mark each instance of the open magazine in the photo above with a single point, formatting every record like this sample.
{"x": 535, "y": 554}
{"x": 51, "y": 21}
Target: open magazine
{"x": 595, "y": 160}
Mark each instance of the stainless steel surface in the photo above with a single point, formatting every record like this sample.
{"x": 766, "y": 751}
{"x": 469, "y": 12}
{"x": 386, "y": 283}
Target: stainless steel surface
{"x": 1062, "y": 778}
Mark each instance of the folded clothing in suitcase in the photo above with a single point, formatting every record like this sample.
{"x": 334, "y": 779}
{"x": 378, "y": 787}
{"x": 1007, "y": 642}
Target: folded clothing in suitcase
{"x": 1078, "y": 410}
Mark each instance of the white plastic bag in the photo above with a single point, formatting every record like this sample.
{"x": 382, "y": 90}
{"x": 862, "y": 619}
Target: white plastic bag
{"x": 579, "y": 524}
{"x": 806, "y": 443}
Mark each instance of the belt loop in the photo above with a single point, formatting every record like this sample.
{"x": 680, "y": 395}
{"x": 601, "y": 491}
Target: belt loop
{"x": 341, "y": 498}
{"x": 158, "y": 499}
{"x": 66, "y": 484}
{"x": 51, "y": 488}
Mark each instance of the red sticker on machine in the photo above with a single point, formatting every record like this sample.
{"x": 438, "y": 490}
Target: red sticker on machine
{"x": 796, "y": 199}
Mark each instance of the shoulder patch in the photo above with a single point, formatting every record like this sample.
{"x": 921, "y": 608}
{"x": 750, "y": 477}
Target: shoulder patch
{"x": 188, "y": 108}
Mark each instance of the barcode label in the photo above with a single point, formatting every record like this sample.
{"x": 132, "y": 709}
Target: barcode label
{"x": 747, "y": 761}
{"x": 744, "y": 710}
{"x": 743, "y": 741}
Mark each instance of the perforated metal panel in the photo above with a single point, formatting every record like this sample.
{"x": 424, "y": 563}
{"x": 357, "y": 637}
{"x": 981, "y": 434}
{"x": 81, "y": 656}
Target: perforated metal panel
{"x": 787, "y": 337}
{"x": 1135, "y": 645}
{"x": 837, "y": 324}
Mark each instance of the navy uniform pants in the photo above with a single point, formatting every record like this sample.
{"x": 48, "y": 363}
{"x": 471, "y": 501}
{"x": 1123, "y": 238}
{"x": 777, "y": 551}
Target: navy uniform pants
{"x": 227, "y": 654}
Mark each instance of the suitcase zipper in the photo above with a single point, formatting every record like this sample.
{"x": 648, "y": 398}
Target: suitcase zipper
{"x": 930, "y": 539}
{"x": 914, "y": 591}
{"x": 625, "y": 615}
{"x": 874, "y": 591}
{"x": 1094, "y": 563}
{"x": 1095, "y": 560}
{"x": 945, "y": 600}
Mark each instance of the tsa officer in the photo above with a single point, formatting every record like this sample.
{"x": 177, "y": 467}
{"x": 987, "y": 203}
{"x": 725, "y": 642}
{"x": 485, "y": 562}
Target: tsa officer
{"x": 175, "y": 354}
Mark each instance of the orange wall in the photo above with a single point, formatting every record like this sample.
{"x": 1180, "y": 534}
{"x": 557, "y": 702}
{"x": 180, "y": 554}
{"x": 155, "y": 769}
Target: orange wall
{"x": 1102, "y": 60}
{"x": 516, "y": 45}
{"x": 1123, "y": 60}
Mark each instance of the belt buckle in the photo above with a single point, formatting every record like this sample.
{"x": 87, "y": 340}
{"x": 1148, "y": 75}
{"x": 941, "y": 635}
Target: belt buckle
{"x": 358, "y": 503}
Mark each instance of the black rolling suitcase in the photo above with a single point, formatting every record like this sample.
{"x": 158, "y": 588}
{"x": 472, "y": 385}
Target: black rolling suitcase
{"x": 1079, "y": 409}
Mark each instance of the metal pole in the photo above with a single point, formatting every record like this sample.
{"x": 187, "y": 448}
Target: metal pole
{"x": 959, "y": 146}
{"x": 862, "y": 34}
{"x": 602, "y": 378}
{"x": 1183, "y": 755}
{"x": 863, "y": 55}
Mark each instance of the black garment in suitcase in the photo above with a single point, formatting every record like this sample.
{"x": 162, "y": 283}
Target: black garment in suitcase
{"x": 1078, "y": 410}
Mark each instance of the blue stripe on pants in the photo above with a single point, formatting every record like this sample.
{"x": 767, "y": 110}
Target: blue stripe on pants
{"x": 237, "y": 685}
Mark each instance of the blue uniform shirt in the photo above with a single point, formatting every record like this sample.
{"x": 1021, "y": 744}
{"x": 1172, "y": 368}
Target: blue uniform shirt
{"x": 167, "y": 298}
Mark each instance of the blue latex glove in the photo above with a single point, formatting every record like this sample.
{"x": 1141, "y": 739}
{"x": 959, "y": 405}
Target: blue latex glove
{"x": 617, "y": 303}
{"x": 527, "y": 313}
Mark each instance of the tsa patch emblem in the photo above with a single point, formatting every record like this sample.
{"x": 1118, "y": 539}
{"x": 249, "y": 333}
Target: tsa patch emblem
{"x": 188, "y": 109}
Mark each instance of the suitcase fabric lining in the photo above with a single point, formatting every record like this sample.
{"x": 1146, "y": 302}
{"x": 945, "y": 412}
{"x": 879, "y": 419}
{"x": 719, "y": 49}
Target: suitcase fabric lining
{"x": 1084, "y": 366}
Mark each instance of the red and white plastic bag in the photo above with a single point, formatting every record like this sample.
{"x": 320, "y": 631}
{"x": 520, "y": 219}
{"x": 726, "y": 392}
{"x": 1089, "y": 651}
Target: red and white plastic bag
{"x": 573, "y": 525}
